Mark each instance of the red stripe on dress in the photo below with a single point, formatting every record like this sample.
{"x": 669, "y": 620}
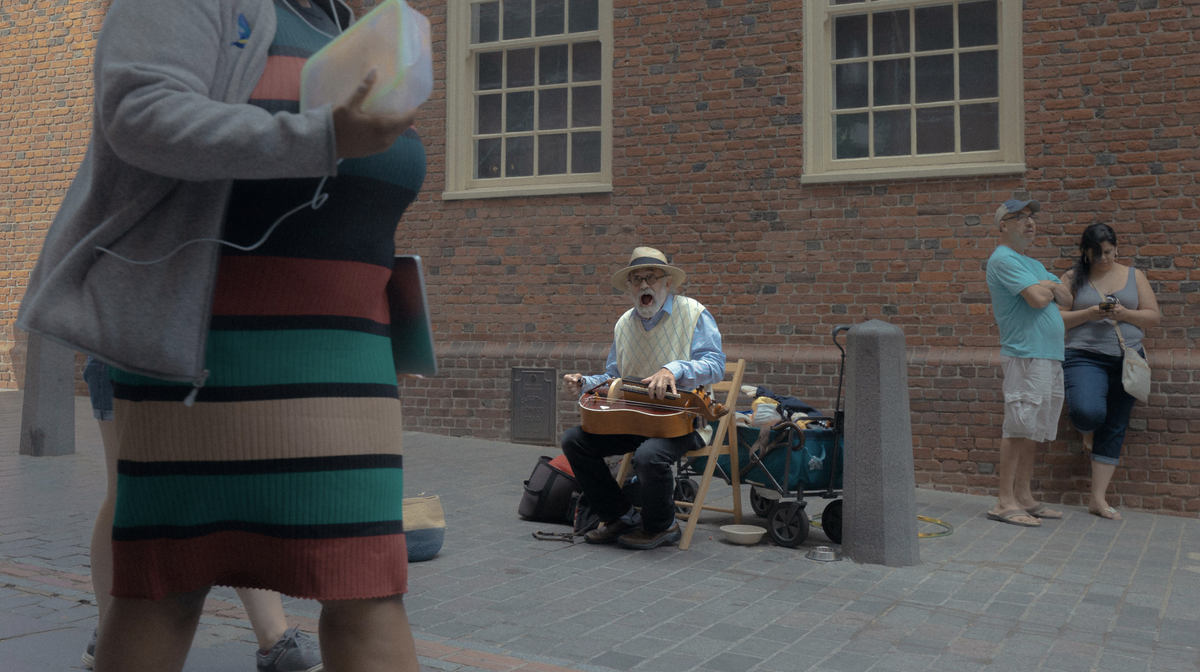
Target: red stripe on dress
{"x": 280, "y": 79}
{"x": 287, "y": 286}
{"x": 352, "y": 568}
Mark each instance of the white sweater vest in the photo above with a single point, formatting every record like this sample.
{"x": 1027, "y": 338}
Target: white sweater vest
{"x": 641, "y": 353}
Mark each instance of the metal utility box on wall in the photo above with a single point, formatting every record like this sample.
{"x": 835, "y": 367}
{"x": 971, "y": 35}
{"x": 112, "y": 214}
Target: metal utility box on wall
{"x": 534, "y": 412}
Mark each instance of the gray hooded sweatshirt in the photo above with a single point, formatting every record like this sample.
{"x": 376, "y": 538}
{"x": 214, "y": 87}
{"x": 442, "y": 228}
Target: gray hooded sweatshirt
{"x": 171, "y": 130}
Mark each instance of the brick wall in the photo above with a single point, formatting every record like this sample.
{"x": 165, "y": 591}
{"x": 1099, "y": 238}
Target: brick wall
{"x": 708, "y": 134}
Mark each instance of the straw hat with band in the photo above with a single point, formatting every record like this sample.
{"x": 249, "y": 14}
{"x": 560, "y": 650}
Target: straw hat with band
{"x": 648, "y": 257}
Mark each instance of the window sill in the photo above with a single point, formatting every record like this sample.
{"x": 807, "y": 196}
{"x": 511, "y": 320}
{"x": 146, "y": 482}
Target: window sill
{"x": 530, "y": 190}
{"x": 914, "y": 172}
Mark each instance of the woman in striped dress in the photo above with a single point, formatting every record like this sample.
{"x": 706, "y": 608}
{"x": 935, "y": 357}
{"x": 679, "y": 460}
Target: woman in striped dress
{"x": 284, "y": 470}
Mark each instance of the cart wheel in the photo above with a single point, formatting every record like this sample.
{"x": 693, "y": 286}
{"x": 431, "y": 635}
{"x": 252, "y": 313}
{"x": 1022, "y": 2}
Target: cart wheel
{"x": 685, "y": 491}
{"x": 788, "y": 524}
{"x": 831, "y": 521}
{"x": 761, "y": 505}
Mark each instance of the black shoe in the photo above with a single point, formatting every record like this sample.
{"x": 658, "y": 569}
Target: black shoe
{"x": 607, "y": 533}
{"x": 641, "y": 540}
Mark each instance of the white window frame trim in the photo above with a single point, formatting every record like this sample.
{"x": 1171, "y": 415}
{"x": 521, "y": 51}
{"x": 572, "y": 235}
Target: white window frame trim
{"x": 460, "y": 114}
{"x": 819, "y": 166}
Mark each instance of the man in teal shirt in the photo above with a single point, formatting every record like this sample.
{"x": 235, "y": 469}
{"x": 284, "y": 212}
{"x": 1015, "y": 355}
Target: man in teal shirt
{"x": 1031, "y": 354}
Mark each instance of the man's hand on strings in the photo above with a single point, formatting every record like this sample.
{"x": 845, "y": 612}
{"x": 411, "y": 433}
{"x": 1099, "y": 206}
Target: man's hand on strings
{"x": 573, "y": 382}
{"x": 660, "y": 384}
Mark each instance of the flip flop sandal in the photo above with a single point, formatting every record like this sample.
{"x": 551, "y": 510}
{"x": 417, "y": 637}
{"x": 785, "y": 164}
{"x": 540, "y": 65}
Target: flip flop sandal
{"x": 1010, "y": 517}
{"x": 1043, "y": 511}
{"x": 1112, "y": 513}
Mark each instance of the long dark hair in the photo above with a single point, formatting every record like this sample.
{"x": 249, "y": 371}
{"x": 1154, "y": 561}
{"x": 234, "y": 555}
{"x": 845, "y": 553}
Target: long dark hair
{"x": 1093, "y": 238}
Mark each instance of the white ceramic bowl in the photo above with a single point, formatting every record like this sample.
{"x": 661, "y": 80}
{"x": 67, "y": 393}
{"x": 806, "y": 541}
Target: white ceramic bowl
{"x": 746, "y": 535}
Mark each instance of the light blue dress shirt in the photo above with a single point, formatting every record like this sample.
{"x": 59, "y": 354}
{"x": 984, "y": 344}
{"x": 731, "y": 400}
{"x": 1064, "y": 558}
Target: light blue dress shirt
{"x": 707, "y": 365}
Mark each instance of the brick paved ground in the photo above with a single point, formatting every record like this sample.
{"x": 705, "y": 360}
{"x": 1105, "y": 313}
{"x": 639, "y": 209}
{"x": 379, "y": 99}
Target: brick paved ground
{"x": 1081, "y": 594}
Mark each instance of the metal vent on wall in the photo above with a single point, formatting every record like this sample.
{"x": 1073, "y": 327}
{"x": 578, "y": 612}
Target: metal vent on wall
{"x": 534, "y": 411}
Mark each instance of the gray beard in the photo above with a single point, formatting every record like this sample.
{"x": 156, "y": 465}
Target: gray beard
{"x": 647, "y": 312}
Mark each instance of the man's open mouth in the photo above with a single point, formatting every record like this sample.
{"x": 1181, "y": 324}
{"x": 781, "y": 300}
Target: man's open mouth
{"x": 647, "y": 300}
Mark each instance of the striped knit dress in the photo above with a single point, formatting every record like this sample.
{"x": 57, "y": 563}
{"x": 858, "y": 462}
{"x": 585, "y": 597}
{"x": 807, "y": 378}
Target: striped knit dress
{"x": 286, "y": 473}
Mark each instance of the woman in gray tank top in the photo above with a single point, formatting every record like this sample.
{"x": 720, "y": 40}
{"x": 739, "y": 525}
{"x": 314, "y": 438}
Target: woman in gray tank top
{"x": 1106, "y": 294}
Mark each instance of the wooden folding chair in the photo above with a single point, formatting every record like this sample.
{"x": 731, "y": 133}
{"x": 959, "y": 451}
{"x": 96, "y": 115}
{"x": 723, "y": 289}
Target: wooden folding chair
{"x": 724, "y": 442}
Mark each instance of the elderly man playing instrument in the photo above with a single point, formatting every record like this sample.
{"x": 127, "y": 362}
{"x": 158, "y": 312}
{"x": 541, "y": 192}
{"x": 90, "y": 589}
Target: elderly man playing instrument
{"x": 668, "y": 343}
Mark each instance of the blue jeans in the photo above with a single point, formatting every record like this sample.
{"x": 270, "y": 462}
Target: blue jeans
{"x": 653, "y": 460}
{"x": 100, "y": 389}
{"x": 1098, "y": 401}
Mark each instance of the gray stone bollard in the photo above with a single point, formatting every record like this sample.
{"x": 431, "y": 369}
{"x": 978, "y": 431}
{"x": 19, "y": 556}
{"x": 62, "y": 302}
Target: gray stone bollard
{"x": 879, "y": 523}
{"x": 48, "y": 409}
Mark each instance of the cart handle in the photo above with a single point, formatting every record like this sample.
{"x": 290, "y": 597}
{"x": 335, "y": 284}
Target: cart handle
{"x": 788, "y": 424}
{"x": 837, "y": 330}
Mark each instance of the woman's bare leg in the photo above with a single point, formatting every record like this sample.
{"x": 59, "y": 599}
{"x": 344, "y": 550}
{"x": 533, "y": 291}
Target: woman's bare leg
{"x": 265, "y": 610}
{"x": 101, "y": 552}
{"x": 367, "y": 636}
{"x": 1101, "y": 476}
{"x": 149, "y": 635}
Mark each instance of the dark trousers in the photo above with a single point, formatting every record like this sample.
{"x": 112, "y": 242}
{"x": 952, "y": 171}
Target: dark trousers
{"x": 652, "y": 462}
{"x": 1097, "y": 400}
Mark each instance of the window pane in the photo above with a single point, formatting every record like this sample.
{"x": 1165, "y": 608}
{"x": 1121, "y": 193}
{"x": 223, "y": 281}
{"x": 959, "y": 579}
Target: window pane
{"x": 980, "y": 127}
{"x": 850, "y": 85}
{"x": 892, "y": 82}
{"x": 520, "y": 112}
{"x": 850, "y": 135}
{"x": 488, "y": 161}
{"x": 935, "y": 78}
{"x": 978, "y": 75}
{"x": 850, "y": 36}
{"x": 491, "y": 70}
{"x": 935, "y": 130}
{"x": 847, "y": 2}
{"x": 485, "y": 22}
{"x": 584, "y": 15}
{"x": 586, "y": 66}
{"x": 585, "y": 106}
{"x": 585, "y": 152}
{"x": 893, "y": 133}
{"x": 977, "y": 24}
{"x": 553, "y": 64}
{"x": 552, "y": 109}
{"x": 891, "y": 32}
{"x": 552, "y": 154}
{"x": 520, "y": 68}
{"x": 935, "y": 27}
{"x": 490, "y": 113}
{"x": 518, "y": 157}
{"x": 516, "y": 19}
{"x": 550, "y": 15}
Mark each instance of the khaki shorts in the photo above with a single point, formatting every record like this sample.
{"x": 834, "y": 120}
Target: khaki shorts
{"x": 1033, "y": 398}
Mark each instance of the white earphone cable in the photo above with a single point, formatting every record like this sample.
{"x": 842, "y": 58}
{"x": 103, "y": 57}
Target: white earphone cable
{"x": 317, "y": 201}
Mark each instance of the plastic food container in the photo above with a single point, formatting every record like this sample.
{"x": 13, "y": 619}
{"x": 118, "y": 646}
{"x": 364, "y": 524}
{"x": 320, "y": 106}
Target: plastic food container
{"x": 746, "y": 535}
{"x": 394, "y": 38}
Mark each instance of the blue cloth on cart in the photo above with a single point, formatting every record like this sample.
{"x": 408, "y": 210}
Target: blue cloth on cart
{"x": 788, "y": 404}
{"x": 811, "y": 466}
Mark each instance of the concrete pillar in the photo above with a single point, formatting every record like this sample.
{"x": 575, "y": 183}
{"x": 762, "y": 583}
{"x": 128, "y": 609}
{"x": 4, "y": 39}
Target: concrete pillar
{"x": 48, "y": 410}
{"x": 879, "y": 523}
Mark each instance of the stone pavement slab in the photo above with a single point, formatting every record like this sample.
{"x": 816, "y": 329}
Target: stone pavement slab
{"x": 1077, "y": 594}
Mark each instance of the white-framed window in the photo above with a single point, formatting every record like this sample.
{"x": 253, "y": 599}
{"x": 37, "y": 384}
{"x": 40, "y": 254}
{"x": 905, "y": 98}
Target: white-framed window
{"x": 528, "y": 97}
{"x": 912, "y": 88}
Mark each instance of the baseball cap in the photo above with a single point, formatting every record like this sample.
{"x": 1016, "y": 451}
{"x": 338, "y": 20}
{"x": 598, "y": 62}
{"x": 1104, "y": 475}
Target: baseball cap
{"x": 1015, "y": 205}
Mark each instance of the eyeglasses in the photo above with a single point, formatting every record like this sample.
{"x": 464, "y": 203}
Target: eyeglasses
{"x": 652, "y": 279}
{"x": 1019, "y": 215}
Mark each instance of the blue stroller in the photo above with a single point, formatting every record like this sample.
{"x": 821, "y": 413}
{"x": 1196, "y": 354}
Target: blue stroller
{"x": 794, "y": 462}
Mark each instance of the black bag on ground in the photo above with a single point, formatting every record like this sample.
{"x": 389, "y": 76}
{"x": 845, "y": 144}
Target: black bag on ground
{"x": 548, "y": 494}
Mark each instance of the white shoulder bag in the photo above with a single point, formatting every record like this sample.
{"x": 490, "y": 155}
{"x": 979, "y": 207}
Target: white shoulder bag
{"x": 1135, "y": 372}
